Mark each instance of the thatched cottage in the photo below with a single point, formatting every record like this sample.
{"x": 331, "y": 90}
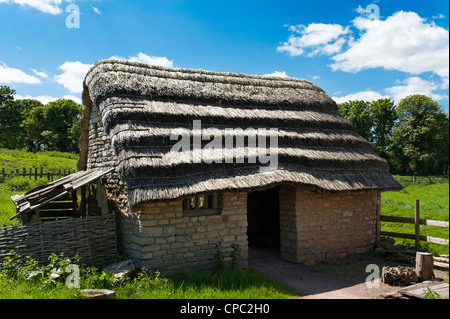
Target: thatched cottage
{"x": 309, "y": 187}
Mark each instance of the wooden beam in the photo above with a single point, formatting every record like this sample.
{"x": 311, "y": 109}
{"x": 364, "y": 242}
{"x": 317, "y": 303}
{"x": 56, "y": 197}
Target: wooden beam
{"x": 417, "y": 223}
{"x": 102, "y": 198}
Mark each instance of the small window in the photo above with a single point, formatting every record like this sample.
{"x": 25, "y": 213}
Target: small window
{"x": 201, "y": 205}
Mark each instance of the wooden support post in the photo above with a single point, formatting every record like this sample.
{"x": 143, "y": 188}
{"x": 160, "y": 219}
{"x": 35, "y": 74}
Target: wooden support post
{"x": 215, "y": 200}
{"x": 378, "y": 219}
{"x": 424, "y": 266}
{"x": 102, "y": 200}
{"x": 205, "y": 201}
{"x": 82, "y": 205}
{"x": 417, "y": 224}
{"x": 186, "y": 203}
{"x": 197, "y": 201}
{"x": 76, "y": 212}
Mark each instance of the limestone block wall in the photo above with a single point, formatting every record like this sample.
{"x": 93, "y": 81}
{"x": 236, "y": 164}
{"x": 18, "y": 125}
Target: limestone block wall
{"x": 157, "y": 236}
{"x": 330, "y": 226}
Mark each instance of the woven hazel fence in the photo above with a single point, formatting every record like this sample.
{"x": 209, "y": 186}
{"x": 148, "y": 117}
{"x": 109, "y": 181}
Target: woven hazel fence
{"x": 91, "y": 238}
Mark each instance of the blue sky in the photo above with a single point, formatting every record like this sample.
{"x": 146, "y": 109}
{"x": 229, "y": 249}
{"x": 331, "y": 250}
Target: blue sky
{"x": 396, "y": 49}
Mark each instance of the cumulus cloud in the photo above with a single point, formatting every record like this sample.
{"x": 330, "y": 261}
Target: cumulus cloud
{"x": 72, "y": 75}
{"x": 416, "y": 85}
{"x": 40, "y": 74}
{"x": 362, "y": 95}
{"x": 314, "y": 39}
{"x": 281, "y": 74}
{"x": 44, "y": 99}
{"x": 13, "y": 75}
{"x": 144, "y": 58}
{"x": 403, "y": 42}
{"x": 46, "y": 6}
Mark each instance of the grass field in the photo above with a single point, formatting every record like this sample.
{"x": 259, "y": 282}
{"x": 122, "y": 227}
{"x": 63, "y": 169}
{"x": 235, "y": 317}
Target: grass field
{"x": 434, "y": 204}
{"x": 11, "y": 160}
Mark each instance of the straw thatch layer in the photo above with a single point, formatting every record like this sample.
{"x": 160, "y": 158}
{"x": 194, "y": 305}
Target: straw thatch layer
{"x": 141, "y": 106}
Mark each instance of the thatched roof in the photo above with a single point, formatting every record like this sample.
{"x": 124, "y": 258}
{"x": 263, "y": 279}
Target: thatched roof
{"x": 141, "y": 105}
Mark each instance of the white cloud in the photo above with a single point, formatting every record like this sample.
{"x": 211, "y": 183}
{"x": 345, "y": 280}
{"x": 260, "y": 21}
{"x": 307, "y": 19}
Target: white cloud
{"x": 314, "y": 39}
{"x": 281, "y": 74}
{"x": 44, "y": 99}
{"x": 144, "y": 58}
{"x": 439, "y": 16}
{"x": 74, "y": 98}
{"x": 362, "y": 95}
{"x": 47, "y": 6}
{"x": 96, "y": 10}
{"x": 12, "y": 75}
{"x": 403, "y": 42}
{"x": 416, "y": 85}
{"x": 40, "y": 74}
{"x": 72, "y": 76}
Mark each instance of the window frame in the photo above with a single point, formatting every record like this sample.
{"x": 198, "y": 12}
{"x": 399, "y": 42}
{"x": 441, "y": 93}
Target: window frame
{"x": 194, "y": 206}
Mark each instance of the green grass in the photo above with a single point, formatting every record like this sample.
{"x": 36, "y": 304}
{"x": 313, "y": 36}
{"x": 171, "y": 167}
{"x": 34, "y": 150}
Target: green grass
{"x": 28, "y": 280}
{"x": 50, "y": 161}
{"x": 434, "y": 204}
{"x": 11, "y": 160}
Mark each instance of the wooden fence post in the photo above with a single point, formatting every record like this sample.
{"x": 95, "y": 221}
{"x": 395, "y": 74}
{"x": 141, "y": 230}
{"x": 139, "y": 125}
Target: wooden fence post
{"x": 417, "y": 223}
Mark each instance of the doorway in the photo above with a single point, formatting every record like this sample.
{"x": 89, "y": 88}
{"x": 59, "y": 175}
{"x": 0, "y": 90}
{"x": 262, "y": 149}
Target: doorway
{"x": 263, "y": 217}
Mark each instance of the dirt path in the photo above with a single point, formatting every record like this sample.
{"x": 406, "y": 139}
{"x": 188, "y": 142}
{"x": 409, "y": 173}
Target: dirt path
{"x": 345, "y": 279}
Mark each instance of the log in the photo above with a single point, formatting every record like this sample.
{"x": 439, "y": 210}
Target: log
{"x": 424, "y": 266}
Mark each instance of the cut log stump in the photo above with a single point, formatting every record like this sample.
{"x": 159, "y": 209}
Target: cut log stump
{"x": 424, "y": 266}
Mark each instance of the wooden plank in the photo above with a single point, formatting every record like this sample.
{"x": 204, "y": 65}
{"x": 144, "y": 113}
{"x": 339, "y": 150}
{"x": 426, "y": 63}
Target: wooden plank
{"x": 420, "y": 290}
{"x": 417, "y": 224}
{"x": 397, "y": 219}
{"x": 57, "y": 205}
{"x": 56, "y": 213}
{"x": 434, "y": 240}
{"x": 431, "y": 222}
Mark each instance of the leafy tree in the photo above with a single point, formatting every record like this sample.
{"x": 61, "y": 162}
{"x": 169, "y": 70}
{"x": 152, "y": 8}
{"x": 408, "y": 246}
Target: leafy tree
{"x": 35, "y": 124}
{"x": 11, "y": 118}
{"x": 61, "y": 122}
{"x": 26, "y": 106}
{"x": 420, "y": 137}
{"x": 358, "y": 112}
{"x": 383, "y": 115}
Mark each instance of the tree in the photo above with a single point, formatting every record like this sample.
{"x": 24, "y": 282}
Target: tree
{"x": 26, "y": 107}
{"x": 11, "y": 118}
{"x": 420, "y": 137}
{"x": 61, "y": 122}
{"x": 383, "y": 115}
{"x": 358, "y": 112}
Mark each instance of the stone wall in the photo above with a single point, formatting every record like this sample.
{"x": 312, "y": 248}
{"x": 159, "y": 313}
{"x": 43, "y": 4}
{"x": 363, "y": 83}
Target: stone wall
{"x": 331, "y": 226}
{"x": 157, "y": 236}
{"x": 100, "y": 153}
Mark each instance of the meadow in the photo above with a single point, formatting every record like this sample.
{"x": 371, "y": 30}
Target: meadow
{"x": 434, "y": 204}
{"x": 22, "y": 280}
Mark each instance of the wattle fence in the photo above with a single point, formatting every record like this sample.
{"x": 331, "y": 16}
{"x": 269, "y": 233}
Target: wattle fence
{"x": 91, "y": 238}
